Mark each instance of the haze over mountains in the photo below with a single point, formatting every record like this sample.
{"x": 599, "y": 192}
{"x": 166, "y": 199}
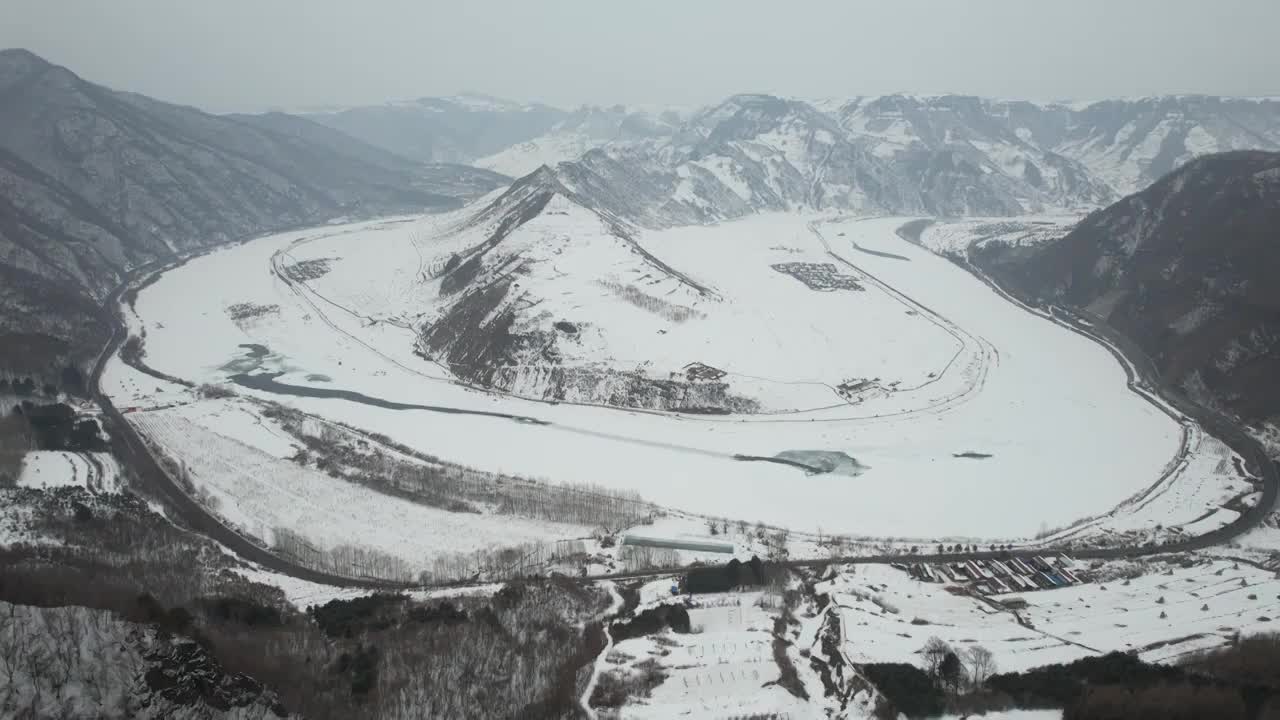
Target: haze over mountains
{"x": 1018, "y": 155}
{"x": 515, "y": 368}
{"x": 100, "y": 182}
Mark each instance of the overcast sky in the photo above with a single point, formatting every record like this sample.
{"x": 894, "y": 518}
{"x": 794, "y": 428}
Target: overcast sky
{"x": 227, "y": 55}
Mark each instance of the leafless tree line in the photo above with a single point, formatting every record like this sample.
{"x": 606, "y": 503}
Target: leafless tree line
{"x": 346, "y": 560}
{"x": 657, "y": 306}
{"x": 642, "y": 557}
{"x": 495, "y": 563}
{"x": 505, "y": 563}
{"x": 345, "y": 454}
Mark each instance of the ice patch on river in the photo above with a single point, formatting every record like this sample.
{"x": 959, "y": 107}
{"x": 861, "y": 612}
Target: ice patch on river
{"x": 825, "y": 461}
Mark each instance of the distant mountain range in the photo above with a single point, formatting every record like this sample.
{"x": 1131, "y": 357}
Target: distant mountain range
{"x": 955, "y": 154}
{"x": 95, "y": 182}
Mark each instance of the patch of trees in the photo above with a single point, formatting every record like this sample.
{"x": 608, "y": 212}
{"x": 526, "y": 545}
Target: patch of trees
{"x": 68, "y": 380}
{"x": 614, "y": 688}
{"x": 732, "y": 574}
{"x": 15, "y": 440}
{"x": 360, "y": 616}
{"x": 445, "y": 612}
{"x": 356, "y": 457}
{"x": 910, "y": 690}
{"x": 1160, "y": 702}
{"x": 1237, "y": 681}
{"x": 241, "y": 611}
{"x": 1252, "y": 660}
{"x": 652, "y": 621}
{"x": 524, "y": 652}
{"x": 57, "y": 427}
{"x": 952, "y": 680}
{"x": 361, "y": 667}
{"x": 1062, "y": 684}
{"x": 215, "y": 392}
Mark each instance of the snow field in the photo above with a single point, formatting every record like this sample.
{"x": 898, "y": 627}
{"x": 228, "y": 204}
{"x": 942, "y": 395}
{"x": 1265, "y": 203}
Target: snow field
{"x": 877, "y": 605}
{"x": 960, "y": 236}
{"x": 259, "y": 494}
{"x": 1066, "y": 439}
{"x": 719, "y": 670}
{"x": 888, "y": 616}
{"x": 1204, "y": 605}
{"x": 1193, "y": 498}
{"x": 44, "y": 469}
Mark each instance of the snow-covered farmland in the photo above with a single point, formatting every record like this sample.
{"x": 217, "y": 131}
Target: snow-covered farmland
{"x": 261, "y": 495}
{"x": 724, "y": 668}
{"x": 97, "y": 472}
{"x": 1161, "y": 610}
{"x": 1022, "y": 425}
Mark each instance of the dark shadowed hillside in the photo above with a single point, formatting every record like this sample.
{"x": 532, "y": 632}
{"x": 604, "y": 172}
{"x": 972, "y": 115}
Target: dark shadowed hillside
{"x": 95, "y": 182}
{"x": 1187, "y": 269}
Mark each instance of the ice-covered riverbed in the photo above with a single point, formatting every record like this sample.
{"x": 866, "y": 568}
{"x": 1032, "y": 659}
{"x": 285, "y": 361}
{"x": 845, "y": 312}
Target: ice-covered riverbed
{"x": 1002, "y": 422}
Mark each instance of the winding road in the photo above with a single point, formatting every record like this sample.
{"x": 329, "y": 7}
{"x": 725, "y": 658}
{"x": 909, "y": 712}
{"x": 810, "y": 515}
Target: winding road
{"x": 134, "y": 452}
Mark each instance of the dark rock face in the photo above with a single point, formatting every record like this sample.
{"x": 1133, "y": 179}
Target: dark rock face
{"x": 1187, "y": 269}
{"x": 185, "y": 674}
{"x": 97, "y": 182}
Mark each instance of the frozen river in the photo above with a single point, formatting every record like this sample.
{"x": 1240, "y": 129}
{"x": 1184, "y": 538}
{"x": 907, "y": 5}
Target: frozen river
{"x": 1003, "y": 423}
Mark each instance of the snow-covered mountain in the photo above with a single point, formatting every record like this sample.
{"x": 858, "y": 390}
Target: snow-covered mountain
{"x": 580, "y": 131}
{"x": 941, "y": 155}
{"x": 95, "y": 182}
{"x": 1132, "y": 143}
{"x": 456, "y": 129}
{"x": 989, "y": 134}
{"x": 1186, "y": 270}
{"x": 756, "y": 153}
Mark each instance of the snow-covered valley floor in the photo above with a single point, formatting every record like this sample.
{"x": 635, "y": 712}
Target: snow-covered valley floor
{"x": 991, "y": 422}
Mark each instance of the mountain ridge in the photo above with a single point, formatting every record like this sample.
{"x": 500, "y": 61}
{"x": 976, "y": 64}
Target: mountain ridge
{"x": 1184, "y": 269}
{"x": 97, "y": 182}
{"x": 964, "y": 153}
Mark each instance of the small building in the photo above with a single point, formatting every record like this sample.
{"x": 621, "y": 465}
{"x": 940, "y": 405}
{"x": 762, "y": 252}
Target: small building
{"x": 696, "y": 372}
{"x": 1014, "y": 603}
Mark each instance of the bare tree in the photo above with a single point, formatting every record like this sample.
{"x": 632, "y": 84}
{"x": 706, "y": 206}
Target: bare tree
{"x": 982, "y": 665}
{"x": 935, "y": 650}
